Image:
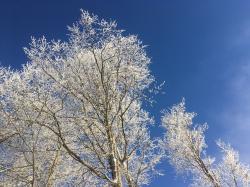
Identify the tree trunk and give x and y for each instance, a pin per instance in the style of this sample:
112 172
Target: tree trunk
115 171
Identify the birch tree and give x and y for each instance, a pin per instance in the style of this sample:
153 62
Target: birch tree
75 111
74 116
185 143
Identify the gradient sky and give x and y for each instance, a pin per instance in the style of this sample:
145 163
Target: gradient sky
200 48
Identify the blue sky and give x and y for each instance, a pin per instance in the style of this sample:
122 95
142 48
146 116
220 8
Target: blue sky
200 48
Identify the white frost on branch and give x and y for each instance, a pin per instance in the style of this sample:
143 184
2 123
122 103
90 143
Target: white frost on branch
185 144
74 116
75 111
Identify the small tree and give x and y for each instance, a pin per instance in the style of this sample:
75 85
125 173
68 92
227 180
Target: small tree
186 145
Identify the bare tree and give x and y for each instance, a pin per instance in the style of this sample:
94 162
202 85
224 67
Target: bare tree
186 145
73 116
77 107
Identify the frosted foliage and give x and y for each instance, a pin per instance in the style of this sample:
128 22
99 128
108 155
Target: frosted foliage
230 170
73 116
185 144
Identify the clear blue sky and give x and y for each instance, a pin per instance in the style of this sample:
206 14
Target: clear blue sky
200 48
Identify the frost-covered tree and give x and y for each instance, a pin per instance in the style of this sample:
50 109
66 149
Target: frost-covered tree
185 143
73 115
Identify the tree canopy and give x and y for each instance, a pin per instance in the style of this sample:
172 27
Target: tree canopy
74 116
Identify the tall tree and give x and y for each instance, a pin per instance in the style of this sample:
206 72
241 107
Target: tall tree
73 116
186 145
81 101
